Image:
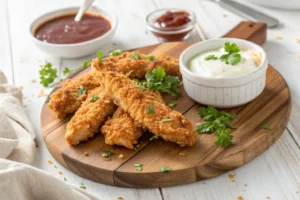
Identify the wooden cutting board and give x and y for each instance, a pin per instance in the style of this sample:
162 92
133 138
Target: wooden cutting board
203 160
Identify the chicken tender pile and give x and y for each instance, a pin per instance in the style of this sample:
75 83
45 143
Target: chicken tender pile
107 100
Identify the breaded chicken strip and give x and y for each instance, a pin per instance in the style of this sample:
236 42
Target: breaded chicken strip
90 116
156 116
67 99
121 129
137 64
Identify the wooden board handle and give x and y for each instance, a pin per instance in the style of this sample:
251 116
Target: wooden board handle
253 31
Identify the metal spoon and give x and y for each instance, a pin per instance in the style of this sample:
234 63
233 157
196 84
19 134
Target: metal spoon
247 12
84 6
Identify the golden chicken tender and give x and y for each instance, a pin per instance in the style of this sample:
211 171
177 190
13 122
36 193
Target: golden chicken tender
90 116
157 117
136 65
121 129
68 99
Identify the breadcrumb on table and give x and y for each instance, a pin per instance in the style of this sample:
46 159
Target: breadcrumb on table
50 162
86 153
239 198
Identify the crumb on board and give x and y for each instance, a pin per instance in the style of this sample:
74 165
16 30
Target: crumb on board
121 156
239 198
33 81
50 162
86 153
278 37
181 154
120 198
42 93
231 176
60 173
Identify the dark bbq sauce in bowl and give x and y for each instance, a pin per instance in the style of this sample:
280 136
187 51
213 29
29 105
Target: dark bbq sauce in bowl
172 19
64 30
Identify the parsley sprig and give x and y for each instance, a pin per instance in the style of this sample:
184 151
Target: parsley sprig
158 80
108 153
165 169
138 167
116 52
219 122
47 74
232 57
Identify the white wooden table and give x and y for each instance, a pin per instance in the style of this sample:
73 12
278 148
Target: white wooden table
274 174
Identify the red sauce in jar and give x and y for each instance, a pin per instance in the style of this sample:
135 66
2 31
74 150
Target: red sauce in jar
173 19
64 30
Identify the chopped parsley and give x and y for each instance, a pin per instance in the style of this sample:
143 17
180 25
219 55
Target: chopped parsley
116 52
47 74
99 56
151 58
172 104
219 122
154 137
136 147
157 80
135 56
94 98
81 90
211 57
82 186
232 57
66 71
150 109
165 169
65 179
108 153
166 120
141 89
266 126
138 167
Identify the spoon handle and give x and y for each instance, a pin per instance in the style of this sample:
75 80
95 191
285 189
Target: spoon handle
84 6
249 13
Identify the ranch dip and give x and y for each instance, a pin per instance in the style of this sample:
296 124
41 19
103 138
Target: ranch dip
215 68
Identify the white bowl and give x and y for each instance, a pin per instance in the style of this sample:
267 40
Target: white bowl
78 49
287 4
223 92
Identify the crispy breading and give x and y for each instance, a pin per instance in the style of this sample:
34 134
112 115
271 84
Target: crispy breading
67 100
137 68
139 106
90 116
121 129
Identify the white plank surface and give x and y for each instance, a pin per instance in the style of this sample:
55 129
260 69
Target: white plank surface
275 173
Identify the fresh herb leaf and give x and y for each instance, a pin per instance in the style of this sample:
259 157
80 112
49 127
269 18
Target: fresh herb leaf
266 126
165 169
211 57
82 186
116 52
135 56
99 55
85 64
166 120
172 104
65 179
81 90
154 137
219 122
150 109
141 89
47 74
224 137
157 80
94 98
67 71
232 57
108 153
151 58
138 167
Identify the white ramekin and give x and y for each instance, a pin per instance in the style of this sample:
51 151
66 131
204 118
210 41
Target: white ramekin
78 49
223 92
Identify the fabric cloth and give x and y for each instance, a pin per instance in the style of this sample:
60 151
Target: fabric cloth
19 181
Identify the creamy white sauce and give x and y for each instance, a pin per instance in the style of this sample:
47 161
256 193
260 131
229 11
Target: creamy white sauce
218 69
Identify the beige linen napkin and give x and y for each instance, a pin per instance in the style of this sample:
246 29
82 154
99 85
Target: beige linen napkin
20 181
